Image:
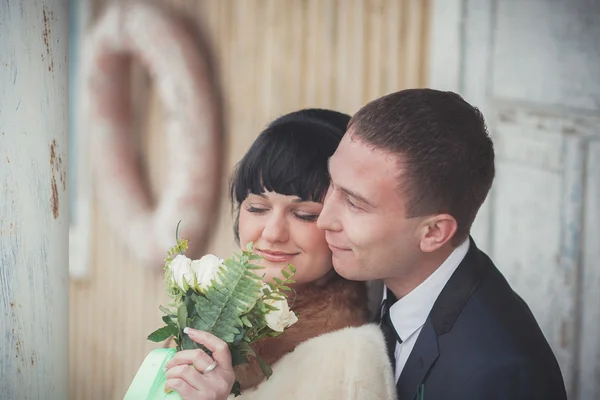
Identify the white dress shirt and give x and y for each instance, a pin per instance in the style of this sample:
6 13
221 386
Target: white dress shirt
409 314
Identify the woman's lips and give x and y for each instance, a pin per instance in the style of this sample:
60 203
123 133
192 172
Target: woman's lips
275 256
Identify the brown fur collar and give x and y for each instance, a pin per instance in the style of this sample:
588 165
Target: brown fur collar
321 308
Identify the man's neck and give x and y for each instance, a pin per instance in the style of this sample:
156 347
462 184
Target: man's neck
406 283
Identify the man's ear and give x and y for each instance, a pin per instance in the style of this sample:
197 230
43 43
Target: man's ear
436 231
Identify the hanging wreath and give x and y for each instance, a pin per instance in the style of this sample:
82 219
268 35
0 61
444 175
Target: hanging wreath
174 53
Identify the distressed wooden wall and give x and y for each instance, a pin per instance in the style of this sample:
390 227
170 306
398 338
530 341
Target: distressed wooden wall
33 199
274 56
534 69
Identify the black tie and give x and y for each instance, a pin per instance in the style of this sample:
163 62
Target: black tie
389 332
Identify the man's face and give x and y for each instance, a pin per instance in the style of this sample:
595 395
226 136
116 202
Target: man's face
363 214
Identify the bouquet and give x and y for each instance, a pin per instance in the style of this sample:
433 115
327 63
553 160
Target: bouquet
227 298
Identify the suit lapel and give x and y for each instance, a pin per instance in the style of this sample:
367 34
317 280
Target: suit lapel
458 290
419 362
447 307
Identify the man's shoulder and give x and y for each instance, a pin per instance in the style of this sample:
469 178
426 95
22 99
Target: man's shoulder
494 339
495 323
496 307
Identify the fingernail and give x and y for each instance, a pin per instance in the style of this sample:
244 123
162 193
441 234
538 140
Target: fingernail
186 330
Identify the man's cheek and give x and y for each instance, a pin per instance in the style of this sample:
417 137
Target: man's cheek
353 236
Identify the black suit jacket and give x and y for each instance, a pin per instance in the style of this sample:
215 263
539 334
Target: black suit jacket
480 341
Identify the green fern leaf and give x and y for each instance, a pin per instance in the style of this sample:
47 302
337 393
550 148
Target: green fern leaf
278 281
220 310
163 333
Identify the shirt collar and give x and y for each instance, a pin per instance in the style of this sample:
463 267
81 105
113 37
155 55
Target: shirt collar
410 312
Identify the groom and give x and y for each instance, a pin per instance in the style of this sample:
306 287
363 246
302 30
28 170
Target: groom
407 181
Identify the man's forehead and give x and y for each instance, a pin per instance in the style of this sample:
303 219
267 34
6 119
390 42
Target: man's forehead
353 150
360 168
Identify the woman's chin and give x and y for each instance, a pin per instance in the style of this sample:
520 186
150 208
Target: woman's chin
270 272
269 277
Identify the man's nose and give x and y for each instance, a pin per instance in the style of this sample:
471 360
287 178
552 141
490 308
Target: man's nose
328 220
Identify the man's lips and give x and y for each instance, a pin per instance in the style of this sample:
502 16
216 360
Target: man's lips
337 248
333 246
275 256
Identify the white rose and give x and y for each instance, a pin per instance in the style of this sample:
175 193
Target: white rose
281 318
181 271
206 270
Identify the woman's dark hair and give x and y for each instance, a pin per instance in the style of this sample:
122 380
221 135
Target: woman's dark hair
289 157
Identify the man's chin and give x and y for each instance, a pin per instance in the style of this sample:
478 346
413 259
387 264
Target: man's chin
347 273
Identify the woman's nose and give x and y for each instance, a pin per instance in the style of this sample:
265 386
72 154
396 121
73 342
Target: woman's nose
276 229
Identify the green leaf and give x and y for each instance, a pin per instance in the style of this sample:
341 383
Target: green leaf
236 389
238 356
279 281
240 336
182 315
283 287
165 310
246 321
254 276
285 273
163 333
266 368
220 310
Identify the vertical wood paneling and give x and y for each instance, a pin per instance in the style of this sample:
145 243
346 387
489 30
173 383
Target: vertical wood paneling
273 56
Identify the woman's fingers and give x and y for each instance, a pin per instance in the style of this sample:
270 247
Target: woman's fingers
198 358
187 392
220 349
187 373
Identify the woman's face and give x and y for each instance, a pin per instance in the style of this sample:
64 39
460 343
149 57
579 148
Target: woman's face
284 231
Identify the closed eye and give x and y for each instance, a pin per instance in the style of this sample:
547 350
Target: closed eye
256 210
307 217
351 204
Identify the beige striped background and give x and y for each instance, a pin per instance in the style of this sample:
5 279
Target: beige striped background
274 56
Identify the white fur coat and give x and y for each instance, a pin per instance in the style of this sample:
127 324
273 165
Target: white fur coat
348 364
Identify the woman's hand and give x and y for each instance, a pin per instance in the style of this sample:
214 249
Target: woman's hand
187 371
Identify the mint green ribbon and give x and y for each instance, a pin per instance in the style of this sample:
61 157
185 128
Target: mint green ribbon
149 381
